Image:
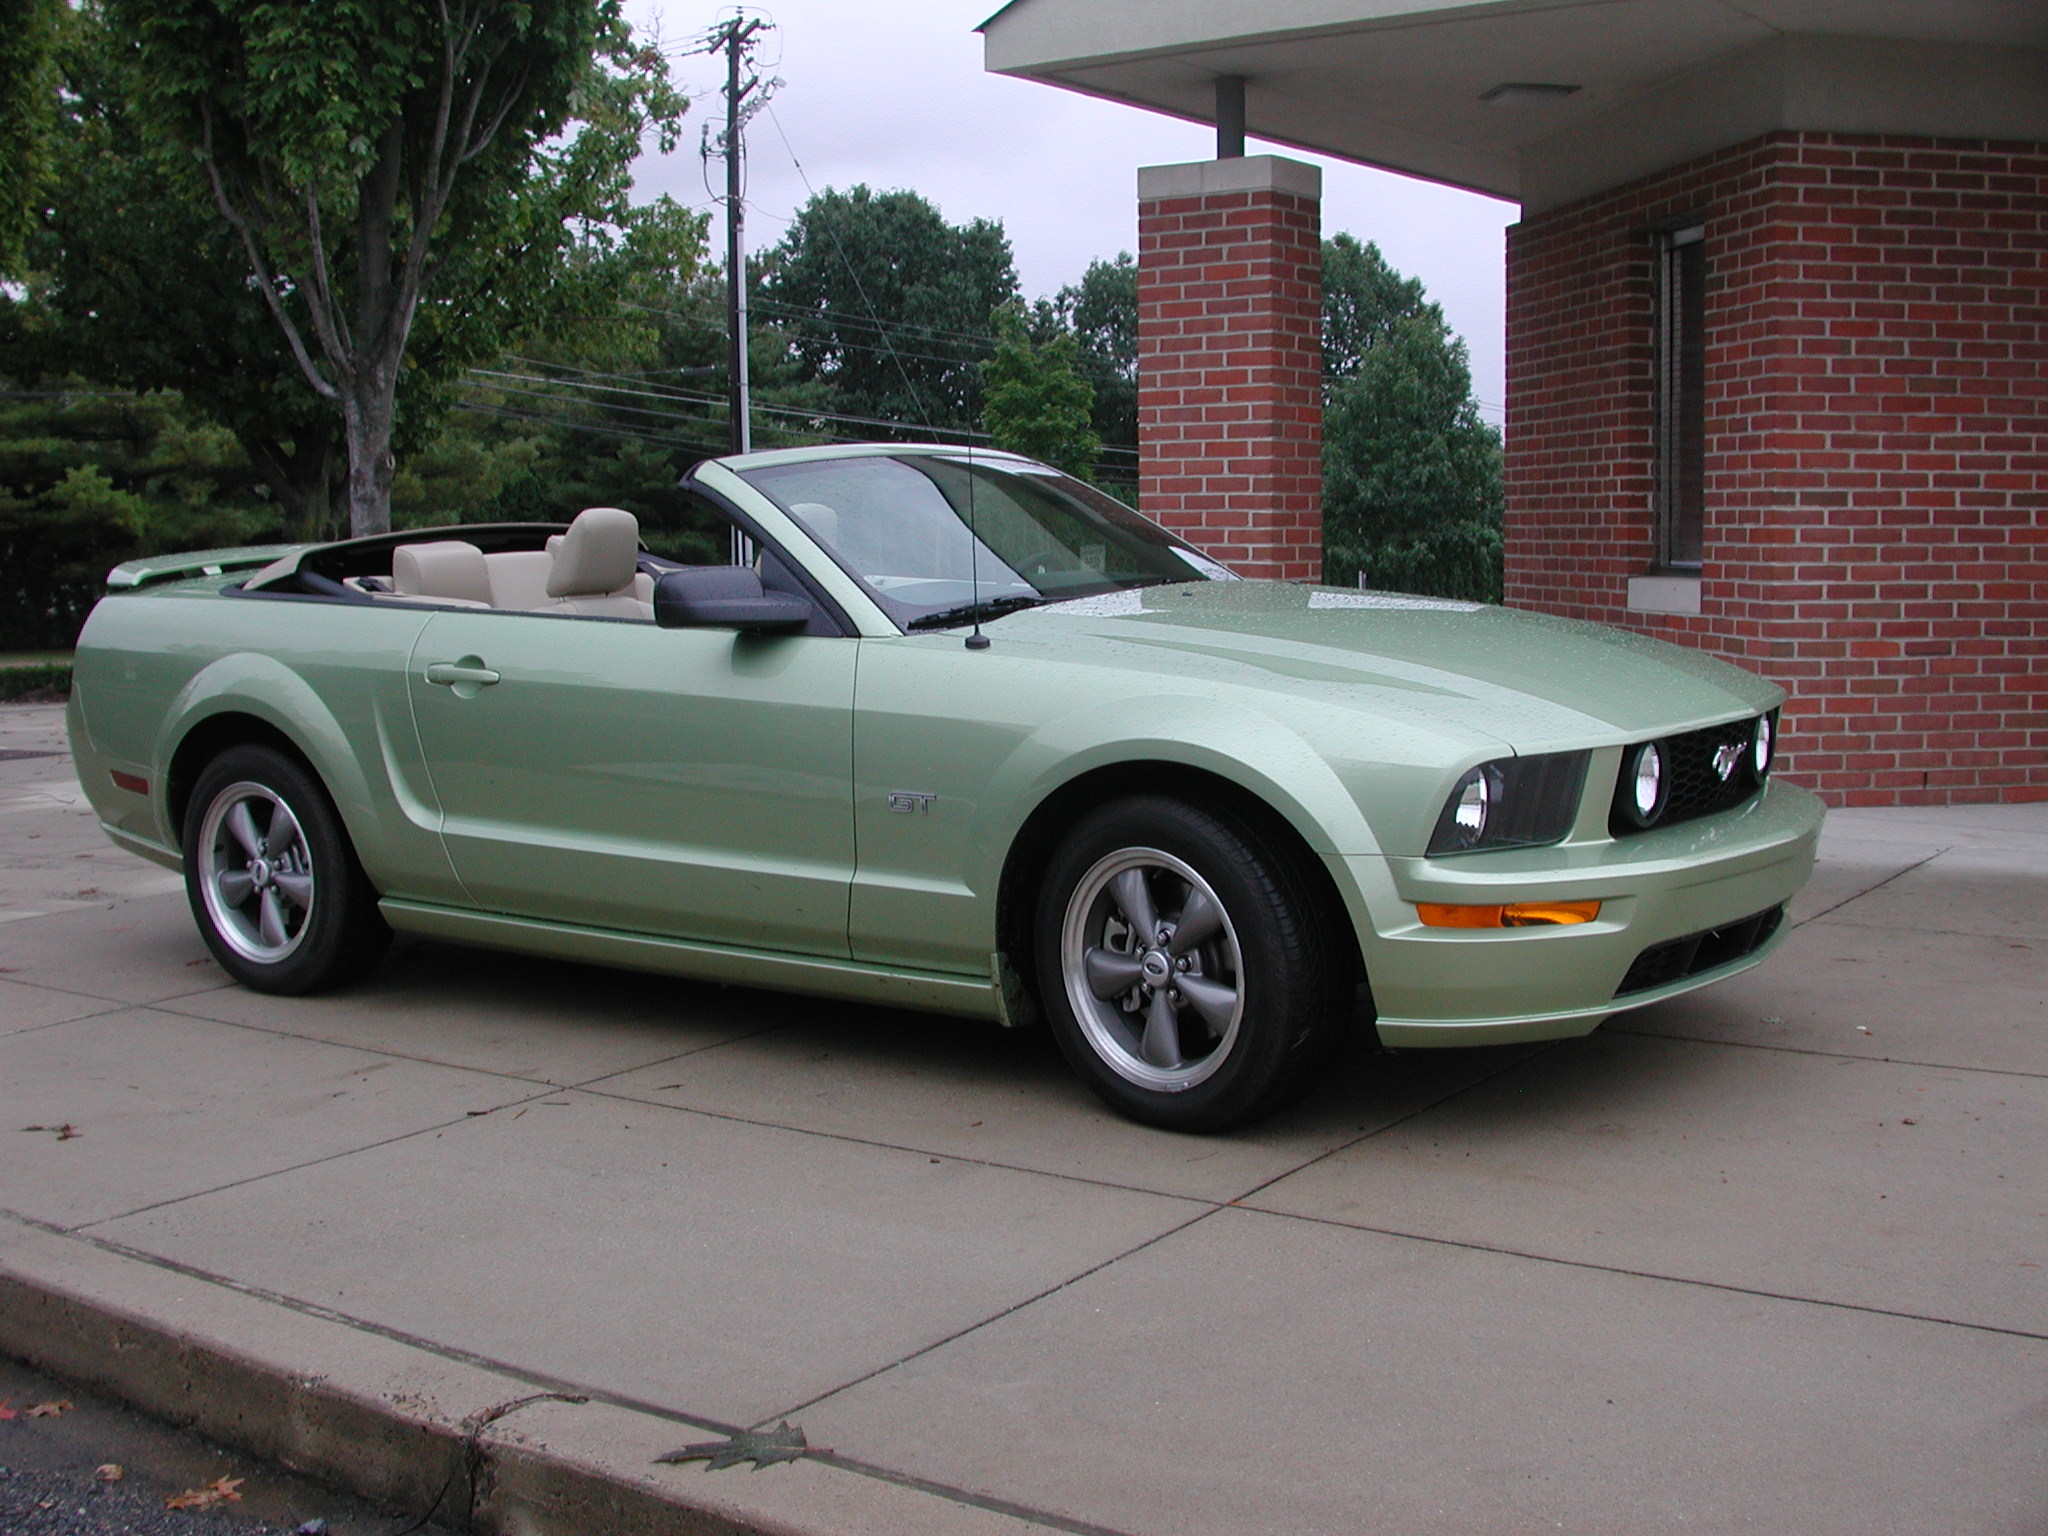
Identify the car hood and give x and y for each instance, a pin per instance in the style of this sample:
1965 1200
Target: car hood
1531 680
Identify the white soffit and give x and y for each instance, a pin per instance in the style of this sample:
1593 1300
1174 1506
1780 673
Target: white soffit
1397 83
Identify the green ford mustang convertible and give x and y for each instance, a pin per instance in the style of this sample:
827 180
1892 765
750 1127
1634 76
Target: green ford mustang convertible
949 731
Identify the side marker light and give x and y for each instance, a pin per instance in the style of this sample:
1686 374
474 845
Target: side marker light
1515 914
134 784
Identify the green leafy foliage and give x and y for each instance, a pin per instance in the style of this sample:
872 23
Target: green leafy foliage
1364 298
882 299
41 683
136 283
29 30
1411 474
389 167
91 478
1037 404
1102 312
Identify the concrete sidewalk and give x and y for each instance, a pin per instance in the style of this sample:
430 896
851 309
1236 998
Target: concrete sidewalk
1767 1258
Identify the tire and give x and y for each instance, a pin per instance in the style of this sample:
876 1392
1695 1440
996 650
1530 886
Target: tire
300 918
1191 1032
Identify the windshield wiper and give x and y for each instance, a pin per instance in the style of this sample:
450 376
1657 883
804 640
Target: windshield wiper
967 613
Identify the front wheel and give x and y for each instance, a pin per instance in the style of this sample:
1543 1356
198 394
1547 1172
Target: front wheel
274 883
1187 974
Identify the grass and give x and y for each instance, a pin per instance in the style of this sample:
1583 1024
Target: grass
34 682
34 659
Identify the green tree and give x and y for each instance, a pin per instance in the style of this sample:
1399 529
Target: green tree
1411 475
390 169
1102 311
90 477
136 283
1364 299
889 304
28 104
1037 403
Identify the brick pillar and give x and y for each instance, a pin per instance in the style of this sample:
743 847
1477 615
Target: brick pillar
1876 455
1230 360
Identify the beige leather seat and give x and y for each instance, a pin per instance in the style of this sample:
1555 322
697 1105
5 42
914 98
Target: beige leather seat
449 571
519 579
594 571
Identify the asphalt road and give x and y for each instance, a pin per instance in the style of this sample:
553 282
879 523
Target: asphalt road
49 1485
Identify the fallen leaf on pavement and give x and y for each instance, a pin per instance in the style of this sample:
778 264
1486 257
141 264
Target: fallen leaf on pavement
65 1132
5 1411
109 1472
51 1409
762 1447
222 1490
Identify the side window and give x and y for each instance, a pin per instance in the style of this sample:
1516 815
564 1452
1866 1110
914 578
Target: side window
1681 397
689 530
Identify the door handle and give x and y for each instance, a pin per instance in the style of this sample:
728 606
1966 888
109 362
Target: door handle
468 670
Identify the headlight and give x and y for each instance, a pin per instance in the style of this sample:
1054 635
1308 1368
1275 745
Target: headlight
1512 802
1763 745
1642 770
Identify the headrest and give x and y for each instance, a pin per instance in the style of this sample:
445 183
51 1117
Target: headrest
443 568
597 555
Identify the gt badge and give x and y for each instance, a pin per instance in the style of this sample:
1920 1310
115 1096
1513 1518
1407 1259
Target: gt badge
915 803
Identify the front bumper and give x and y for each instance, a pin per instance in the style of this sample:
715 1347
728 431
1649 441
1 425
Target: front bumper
1478 986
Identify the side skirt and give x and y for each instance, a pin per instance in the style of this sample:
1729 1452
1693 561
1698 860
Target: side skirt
844 979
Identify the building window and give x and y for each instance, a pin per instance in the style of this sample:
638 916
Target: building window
1681 396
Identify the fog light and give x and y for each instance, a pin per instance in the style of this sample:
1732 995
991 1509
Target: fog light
1514 914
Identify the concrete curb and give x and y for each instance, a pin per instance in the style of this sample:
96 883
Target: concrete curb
416 1427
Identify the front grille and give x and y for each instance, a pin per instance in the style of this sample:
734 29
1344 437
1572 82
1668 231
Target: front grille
1696 789
1698 953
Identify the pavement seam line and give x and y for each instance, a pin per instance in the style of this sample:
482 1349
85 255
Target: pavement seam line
431 1061
549 1386
1157 1237
994 1317
1878 886
84 1227
1652 1275
849 1139
1809 1050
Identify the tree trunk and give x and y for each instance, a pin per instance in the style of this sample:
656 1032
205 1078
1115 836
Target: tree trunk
302 478
368 411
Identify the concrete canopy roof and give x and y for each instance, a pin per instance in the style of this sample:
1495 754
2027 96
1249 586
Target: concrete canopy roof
1399 83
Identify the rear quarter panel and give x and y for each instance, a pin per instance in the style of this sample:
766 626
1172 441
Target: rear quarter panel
154 666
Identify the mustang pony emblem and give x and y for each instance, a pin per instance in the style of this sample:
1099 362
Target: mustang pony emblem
1726 756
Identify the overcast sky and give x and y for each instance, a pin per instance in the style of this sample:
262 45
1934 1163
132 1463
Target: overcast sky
892 93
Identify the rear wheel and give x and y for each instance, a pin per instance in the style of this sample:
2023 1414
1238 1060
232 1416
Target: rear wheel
1188 977
273 880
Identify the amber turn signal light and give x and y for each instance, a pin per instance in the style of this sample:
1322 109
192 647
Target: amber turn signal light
1514 914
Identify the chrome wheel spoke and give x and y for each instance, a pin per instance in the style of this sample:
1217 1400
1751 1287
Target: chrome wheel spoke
1111 974
242 826
234 886
297 889
1216 1003
271 925
1134 900
1200 920
1161 1045
283 835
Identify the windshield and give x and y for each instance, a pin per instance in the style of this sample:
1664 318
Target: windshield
900 524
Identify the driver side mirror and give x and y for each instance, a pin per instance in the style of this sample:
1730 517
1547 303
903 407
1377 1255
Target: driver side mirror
726 597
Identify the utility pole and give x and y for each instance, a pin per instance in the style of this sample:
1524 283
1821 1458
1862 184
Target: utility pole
736 39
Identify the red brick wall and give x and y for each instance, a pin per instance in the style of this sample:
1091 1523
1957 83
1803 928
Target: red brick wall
1877 444
1230 425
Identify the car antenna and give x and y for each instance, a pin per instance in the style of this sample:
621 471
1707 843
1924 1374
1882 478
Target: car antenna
976 641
